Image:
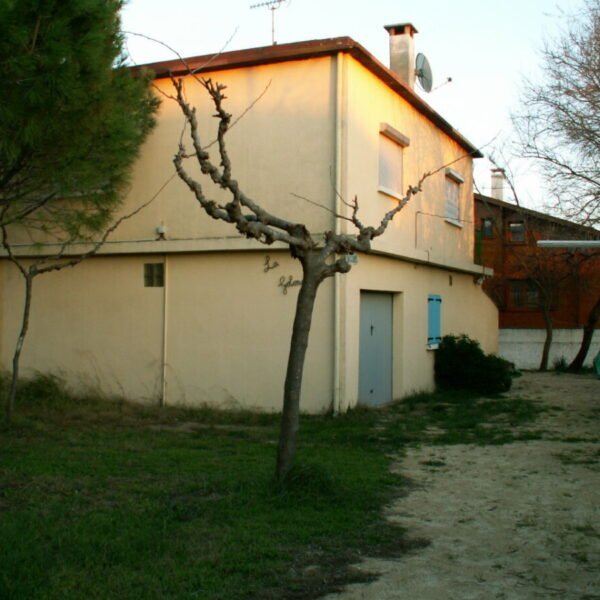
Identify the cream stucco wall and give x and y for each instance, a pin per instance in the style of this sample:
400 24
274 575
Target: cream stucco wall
229 326
218 332
227 330
421 229
283 145
465 309
227 322
432 256
305 126
94 324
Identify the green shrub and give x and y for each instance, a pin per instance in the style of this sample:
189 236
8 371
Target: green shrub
561 365
42 390
460 363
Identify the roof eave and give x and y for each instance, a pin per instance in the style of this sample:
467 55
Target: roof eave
302 51
536 214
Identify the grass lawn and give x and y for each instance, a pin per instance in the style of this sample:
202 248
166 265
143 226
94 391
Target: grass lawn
104 499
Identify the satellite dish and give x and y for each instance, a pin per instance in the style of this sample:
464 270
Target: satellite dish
423 72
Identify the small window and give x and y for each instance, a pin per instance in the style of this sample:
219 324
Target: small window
453 182
391 145
154 275
487 228
524 294
434 320
516 231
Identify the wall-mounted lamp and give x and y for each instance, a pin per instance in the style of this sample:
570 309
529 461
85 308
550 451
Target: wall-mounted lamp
161 230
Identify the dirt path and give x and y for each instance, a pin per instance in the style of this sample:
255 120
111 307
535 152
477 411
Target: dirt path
518 522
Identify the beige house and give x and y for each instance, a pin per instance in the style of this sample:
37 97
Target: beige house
179 309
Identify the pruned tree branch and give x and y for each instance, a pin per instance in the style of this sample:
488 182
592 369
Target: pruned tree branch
251 219
321 255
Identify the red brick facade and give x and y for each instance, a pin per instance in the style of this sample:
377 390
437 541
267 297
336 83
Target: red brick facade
528 279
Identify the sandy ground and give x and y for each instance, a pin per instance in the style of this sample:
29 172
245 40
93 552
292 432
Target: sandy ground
518 522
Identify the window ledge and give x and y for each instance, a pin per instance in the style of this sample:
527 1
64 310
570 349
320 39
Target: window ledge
390 193
433 346
454 223
393 134
455 176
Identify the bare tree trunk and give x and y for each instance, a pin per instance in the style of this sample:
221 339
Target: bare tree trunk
293 380
12 393
548 340
588 334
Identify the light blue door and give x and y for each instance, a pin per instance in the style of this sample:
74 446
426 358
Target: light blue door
375 358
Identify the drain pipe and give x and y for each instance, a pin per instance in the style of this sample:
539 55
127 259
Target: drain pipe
163 395
338 350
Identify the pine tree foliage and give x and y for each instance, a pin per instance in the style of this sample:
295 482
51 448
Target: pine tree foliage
72 116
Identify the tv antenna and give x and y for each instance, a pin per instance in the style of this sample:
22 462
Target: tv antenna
423 72
272 5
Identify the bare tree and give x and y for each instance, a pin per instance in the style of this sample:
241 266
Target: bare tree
321 256
559 124
30 269
545 275
588 334
551 273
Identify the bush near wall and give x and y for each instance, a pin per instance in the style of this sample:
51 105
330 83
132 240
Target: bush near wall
460 363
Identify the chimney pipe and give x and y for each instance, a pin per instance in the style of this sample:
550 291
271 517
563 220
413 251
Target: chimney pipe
402 51
498 183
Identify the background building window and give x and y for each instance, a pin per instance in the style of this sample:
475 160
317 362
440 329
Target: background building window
516 231
524 294
487 228
391 146
154 275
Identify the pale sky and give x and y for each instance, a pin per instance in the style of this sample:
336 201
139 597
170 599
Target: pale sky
485 47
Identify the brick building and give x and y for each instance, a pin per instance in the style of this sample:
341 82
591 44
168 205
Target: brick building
536 288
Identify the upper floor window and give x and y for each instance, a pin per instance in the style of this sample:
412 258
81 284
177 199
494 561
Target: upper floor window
516 231
391 145
487 228
453 182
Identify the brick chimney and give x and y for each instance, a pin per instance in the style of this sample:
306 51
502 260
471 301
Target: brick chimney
402 51
498 183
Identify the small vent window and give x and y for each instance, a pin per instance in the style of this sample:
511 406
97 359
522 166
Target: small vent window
154 275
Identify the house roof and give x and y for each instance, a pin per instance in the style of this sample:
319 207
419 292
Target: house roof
306 50
583 229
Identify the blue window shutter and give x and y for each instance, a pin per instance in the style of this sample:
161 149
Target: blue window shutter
434 319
